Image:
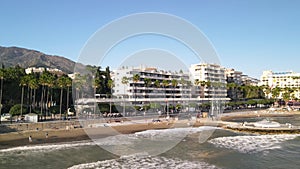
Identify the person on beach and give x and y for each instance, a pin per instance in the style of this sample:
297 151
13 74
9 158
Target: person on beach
30 139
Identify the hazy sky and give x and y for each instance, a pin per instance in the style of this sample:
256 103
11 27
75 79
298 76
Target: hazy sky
248 35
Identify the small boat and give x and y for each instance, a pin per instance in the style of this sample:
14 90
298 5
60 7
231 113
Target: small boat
267 124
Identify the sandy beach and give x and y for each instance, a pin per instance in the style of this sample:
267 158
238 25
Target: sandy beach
20 138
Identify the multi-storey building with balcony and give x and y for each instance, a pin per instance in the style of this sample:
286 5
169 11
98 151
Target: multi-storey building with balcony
151 84
282 80
233 76
210 79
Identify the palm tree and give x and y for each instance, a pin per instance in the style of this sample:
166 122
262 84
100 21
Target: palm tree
232 90
136 78
287 92
165 83
1 90
43 83
23 82
157 83
111 85
275 92
147 83
68 83
61 83
124 81
202 85
33 85
79 81
174 83
50 84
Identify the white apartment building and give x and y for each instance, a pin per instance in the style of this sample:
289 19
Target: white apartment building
233 76
247 80
281 79
155 90
212 74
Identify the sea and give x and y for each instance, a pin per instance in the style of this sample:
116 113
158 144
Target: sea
201 147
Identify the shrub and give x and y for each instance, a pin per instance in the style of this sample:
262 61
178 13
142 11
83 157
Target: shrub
16 110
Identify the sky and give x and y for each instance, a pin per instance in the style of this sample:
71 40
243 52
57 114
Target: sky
248 35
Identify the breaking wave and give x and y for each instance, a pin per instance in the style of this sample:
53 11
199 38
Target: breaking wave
138 161
252 144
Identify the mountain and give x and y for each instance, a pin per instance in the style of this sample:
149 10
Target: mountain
12 56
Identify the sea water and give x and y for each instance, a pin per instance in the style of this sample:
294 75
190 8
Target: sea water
223 149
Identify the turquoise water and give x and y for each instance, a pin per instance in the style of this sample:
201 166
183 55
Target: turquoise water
223 149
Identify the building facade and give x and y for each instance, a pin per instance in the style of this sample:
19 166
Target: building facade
233 76
151 83
282 80
42 69
210 79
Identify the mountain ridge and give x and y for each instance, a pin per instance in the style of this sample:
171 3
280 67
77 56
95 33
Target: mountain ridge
12 56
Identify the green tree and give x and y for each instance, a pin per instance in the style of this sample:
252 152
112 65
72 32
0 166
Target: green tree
111 85
125 81
43 81
61 83
275 92
68 82
33 85
16 110
136 78
147 83
2 74
165 84
78 82
24 82
174 83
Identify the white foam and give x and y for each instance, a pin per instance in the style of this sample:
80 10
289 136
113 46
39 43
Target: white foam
161 135
138 161
116 140
252 144
170 134
48 147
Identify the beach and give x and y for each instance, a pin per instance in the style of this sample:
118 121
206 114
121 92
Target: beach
100 130
20 138
114 145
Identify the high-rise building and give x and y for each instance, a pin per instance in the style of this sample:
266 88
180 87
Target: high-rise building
210 78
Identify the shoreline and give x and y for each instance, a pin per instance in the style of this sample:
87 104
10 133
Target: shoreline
20 138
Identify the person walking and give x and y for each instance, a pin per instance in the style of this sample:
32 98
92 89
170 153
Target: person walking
30 139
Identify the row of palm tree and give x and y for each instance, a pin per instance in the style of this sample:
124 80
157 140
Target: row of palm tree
47 82
32 85
286 93
44 90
